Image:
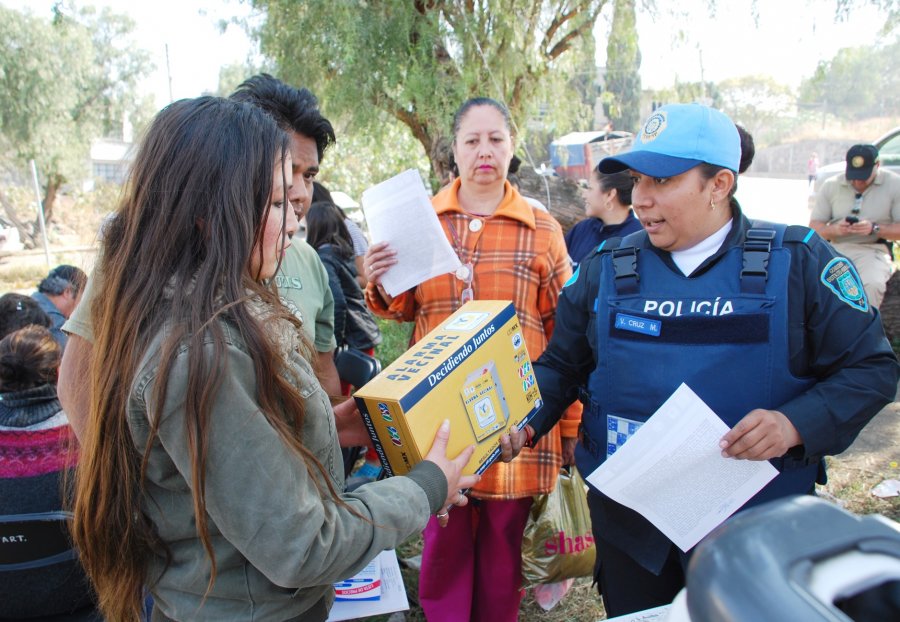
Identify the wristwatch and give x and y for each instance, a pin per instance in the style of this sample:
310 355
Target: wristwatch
875 228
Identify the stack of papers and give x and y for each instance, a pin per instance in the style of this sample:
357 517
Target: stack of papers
399 212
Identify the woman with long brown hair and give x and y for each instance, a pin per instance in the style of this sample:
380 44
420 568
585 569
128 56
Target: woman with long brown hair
210 465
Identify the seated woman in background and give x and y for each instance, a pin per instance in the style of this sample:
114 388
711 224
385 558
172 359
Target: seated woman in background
37 448
354 326
607 203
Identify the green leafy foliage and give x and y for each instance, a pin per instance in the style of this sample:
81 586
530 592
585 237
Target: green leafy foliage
63 82
858 82
415 62
623 79
759 103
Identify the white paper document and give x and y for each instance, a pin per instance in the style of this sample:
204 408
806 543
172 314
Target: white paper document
399 212
671 471
393 594
656 614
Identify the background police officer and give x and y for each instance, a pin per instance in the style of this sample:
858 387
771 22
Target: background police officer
857 211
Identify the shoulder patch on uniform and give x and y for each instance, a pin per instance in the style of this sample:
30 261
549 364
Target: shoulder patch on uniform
842 279
573 278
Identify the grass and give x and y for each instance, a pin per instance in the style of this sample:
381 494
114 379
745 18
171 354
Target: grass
851 487
394 340
21 277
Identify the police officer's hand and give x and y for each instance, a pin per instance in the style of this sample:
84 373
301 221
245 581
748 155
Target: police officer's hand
568 450
760 435
512 443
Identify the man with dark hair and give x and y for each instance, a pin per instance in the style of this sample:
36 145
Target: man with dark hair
302 280
58 295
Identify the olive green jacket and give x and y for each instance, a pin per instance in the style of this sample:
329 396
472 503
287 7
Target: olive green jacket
279 545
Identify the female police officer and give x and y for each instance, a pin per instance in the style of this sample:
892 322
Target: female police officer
764 322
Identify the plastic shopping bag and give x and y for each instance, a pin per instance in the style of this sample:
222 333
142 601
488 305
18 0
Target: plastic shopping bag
558 542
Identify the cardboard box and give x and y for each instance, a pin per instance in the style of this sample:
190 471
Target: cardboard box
473 369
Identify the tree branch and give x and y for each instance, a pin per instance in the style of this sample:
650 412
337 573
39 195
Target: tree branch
557 23
566 42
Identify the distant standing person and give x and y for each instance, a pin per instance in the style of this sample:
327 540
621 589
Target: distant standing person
812 165
59 294
607 203
859 213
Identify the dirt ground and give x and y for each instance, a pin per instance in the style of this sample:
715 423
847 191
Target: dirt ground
878 445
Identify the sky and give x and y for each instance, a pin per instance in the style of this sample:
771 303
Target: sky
787 41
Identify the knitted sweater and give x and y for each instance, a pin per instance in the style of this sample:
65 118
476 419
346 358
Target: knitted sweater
37 447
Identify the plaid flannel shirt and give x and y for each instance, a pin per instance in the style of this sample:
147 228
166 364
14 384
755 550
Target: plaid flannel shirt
518 254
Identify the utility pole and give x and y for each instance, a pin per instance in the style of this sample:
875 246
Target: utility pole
40 206
169 74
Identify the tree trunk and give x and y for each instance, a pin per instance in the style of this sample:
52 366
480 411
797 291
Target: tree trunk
54 181
25 232
53 184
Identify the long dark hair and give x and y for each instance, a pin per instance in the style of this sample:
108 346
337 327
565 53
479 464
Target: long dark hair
325 225
176 260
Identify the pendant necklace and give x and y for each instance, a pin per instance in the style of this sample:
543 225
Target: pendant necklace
466 272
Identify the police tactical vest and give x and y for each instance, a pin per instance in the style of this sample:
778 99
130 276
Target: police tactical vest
724 333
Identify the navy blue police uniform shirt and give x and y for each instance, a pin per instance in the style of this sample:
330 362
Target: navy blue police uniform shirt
836 342
584 238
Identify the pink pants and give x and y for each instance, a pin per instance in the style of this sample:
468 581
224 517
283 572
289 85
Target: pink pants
472 568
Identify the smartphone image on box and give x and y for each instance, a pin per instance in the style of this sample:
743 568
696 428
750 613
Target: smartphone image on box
485 402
